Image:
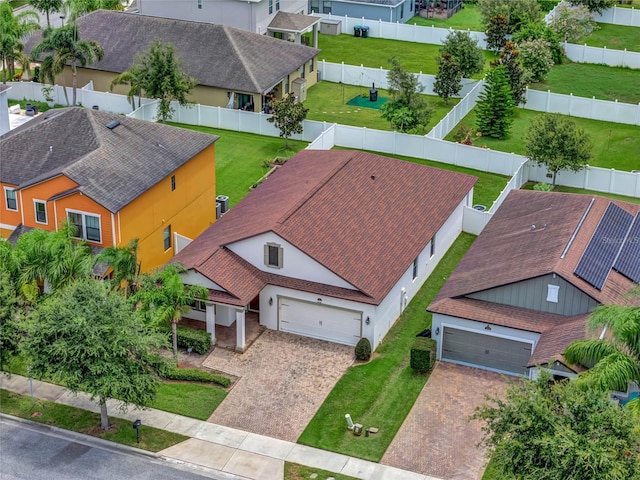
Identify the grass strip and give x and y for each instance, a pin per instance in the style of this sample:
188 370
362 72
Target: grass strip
466 19
193 400
295 471
381 393
83 421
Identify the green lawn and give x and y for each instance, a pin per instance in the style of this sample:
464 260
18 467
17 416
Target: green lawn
617 37
615 145
240 158
325 103
376 52
295 471
588 80
381 392
466 19
193 400
83 421
561 188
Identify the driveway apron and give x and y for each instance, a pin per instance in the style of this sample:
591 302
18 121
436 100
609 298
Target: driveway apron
436 438
284 379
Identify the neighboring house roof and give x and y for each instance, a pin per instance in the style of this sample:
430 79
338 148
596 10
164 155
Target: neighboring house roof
384 3
4 87
292 22
532 234
18 232
112 166
215 55
362 216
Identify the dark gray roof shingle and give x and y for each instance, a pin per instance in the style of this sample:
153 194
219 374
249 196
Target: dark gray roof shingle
111 166
215 55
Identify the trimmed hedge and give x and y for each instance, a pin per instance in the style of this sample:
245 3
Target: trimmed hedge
195 375
363 349
198 340
423 354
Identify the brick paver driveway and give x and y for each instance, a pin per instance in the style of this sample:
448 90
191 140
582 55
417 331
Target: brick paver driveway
436 439
284 380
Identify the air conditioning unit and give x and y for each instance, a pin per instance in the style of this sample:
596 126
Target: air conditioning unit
299 86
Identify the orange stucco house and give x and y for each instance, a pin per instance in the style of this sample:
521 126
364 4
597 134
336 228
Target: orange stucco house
116 178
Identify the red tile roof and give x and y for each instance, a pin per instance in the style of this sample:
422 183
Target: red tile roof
363 216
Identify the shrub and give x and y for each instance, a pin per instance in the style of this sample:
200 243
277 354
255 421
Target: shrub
363 349
543 187
462 133
537 58
423 354
198 340
571 23
195 375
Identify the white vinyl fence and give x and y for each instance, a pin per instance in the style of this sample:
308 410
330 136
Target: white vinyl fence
401 31
604 56
367 76
592 108
620 16
457 113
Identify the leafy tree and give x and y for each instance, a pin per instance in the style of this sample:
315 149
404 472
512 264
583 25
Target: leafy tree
517 12
163 297
288 116
158 72
13 28
518 77
545 430
465 51
497 32
571 23
494 109
134 82
47 7
62 46
539 30
615 359
406 109
594 6
92 341
536 58
124 265
448 82
554 141
77 8
9 314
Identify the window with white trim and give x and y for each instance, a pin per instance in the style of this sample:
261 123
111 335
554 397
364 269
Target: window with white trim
286 85
40 209
167 238
277 5
273 255
311 65
11 199
415 269
552 293
87 226
270 7
173 182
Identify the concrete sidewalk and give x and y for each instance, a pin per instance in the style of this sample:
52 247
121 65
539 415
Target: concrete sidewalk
217 447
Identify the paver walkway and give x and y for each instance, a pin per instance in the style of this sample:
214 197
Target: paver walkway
438 423
284 380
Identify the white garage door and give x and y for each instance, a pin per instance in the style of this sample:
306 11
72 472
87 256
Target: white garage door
320 321
485 350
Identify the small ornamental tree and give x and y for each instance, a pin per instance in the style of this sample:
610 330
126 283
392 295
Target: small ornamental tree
406 108
91 340
288 116
571 23
494 110
518 77
546 430
595 6
538 30
449 77
497 32
517 12
554 141
465 52
536 58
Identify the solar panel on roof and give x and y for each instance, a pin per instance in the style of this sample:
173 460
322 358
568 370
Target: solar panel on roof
602 250
628 261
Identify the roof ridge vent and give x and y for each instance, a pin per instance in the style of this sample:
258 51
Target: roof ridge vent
113 124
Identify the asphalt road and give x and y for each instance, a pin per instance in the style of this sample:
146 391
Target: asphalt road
34 453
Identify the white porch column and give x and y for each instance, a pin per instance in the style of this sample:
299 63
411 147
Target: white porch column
211 322
240 331
315 35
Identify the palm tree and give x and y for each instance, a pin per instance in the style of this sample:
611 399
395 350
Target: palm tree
615 358
62 46
47 7
164 297
132 79
124 264
13 28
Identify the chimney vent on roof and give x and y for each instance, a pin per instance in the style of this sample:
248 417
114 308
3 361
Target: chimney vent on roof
373 177
51 148
533 227
113 124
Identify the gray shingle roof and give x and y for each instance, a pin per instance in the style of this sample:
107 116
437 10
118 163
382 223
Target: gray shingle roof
215 55
111 166
292 21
